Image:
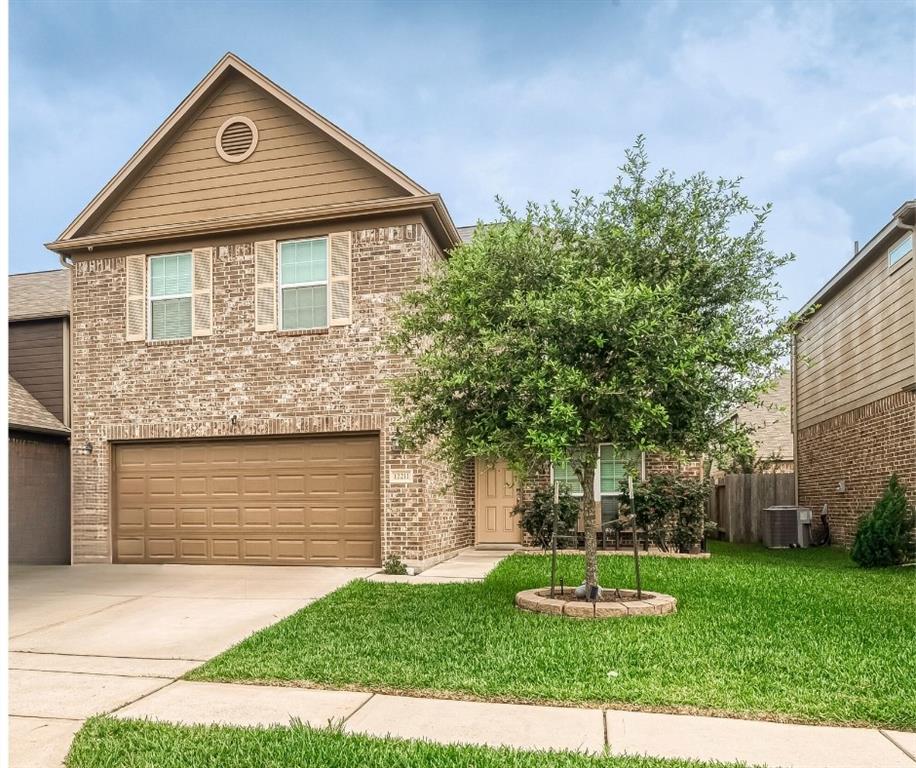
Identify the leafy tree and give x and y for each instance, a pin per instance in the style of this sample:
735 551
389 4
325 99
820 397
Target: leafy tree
640 318
885 535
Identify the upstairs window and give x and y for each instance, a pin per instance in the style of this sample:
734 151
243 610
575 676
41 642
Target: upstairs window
170 296
304 284
900 251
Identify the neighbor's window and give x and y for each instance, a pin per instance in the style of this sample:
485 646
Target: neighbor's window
900 251
170 296
304 284
612 468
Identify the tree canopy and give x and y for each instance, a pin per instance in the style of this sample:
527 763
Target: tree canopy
642 318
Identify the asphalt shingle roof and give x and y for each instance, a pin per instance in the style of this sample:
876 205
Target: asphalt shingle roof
39 294
27 413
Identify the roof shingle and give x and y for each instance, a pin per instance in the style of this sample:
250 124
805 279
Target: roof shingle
27 413
39 294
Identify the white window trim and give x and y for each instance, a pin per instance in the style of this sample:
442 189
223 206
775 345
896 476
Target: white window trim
326 282
597 495
150 299
893 266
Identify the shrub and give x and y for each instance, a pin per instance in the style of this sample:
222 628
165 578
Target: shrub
537 515
671 509
885 535
394 567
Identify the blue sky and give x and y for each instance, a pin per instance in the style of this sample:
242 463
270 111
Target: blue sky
814 104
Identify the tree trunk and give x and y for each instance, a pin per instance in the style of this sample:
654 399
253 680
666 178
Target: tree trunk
586 476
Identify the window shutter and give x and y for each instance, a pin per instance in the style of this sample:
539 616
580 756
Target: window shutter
265 285
135 325
340 283
202 292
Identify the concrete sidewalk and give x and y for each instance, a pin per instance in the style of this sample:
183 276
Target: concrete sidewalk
531 727
469 565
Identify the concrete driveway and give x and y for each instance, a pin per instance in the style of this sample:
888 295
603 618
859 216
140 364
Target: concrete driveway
88 639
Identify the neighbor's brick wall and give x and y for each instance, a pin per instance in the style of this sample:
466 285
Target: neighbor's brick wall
863 448
331 380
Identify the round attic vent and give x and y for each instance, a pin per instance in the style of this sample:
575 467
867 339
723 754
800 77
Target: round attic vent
236 139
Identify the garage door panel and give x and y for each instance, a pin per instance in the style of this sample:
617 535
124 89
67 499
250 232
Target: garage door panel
162 517
193 487
192 517
224 485
257 485
158 486
290 485
359 483
193 549
359 517
290 517
226 549
359 549
257 549
130 549
290 500
291 550
257 517
222 517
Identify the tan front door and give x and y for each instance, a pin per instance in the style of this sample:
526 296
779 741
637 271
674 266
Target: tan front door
296 501
496 497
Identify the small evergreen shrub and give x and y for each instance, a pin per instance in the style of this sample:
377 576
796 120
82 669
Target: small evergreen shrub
394 567
885 535
537 515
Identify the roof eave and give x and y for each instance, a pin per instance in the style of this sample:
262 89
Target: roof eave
63 432
446 233
851 267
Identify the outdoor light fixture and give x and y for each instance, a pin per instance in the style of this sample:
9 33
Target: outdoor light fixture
87 449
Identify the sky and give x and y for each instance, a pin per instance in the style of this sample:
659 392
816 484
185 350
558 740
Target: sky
813 104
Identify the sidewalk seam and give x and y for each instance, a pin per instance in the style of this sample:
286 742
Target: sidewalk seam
607 741
171 681
899 746
76 618
347 718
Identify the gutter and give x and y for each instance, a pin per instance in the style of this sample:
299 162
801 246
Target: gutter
64 432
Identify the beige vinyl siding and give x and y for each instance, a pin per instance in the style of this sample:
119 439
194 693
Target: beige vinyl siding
36 360
294 166
859 346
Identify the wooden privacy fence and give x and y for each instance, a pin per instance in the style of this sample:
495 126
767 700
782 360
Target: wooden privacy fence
736 504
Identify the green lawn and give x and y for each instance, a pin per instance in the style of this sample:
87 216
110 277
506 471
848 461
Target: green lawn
801 635
110 743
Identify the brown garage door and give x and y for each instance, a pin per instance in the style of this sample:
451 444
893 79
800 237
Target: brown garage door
292 501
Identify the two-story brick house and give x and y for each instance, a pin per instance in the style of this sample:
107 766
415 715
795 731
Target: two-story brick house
854 380
231 289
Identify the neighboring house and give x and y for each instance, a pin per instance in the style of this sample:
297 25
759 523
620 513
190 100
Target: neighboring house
231 287
771 425
39 414
854 388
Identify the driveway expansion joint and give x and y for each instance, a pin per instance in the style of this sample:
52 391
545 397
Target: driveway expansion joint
897 744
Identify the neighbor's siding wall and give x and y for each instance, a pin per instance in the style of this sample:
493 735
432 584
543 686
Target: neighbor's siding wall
293 166
36 360
862 448
330 380
39 500
859 346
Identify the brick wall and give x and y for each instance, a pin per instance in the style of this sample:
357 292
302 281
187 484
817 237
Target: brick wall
239 382
861 448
